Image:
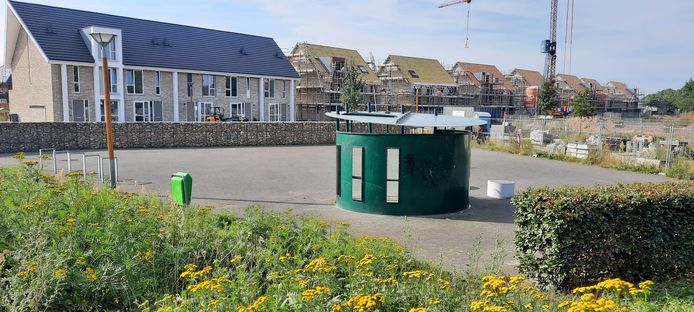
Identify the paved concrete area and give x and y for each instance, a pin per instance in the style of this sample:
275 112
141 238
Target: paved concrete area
302 178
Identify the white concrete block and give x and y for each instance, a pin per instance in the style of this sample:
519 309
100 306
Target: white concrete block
501 189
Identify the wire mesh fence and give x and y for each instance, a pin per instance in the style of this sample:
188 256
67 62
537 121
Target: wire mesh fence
635 141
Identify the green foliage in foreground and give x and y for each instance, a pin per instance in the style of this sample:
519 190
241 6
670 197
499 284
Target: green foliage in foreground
65 246
572 236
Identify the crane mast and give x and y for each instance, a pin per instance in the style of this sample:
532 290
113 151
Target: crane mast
550 45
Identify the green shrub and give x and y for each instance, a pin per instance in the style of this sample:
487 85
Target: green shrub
571 236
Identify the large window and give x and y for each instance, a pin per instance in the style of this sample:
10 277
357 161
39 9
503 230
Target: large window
208 82
357 171
147 111
392 175
157 82
269 88
113 80
275 114
237 111
231 86
114 111
133 82
76 79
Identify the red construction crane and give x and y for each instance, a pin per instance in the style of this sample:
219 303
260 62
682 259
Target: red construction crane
467 24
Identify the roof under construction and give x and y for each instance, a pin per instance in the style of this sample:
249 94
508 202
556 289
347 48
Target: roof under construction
409 119
422 71
350 56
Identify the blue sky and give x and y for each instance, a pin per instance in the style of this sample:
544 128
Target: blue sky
646 44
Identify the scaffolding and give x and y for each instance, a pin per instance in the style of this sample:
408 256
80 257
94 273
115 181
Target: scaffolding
321 70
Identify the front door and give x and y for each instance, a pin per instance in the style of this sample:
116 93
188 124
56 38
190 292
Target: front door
80 110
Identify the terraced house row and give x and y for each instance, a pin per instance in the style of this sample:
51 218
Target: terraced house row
167 72
158 71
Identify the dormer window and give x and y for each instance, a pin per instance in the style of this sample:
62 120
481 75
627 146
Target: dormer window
111 51
413 73
362 69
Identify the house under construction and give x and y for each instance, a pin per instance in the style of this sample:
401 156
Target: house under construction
321 69
419 84
526 87
621 99
486 86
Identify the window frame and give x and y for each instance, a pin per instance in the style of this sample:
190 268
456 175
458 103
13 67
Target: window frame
240 107
146 117
114 110
269 88
76 88
211 90
189 84
231 86
111 51
157 82
248 87
134 83
279 112
390 179
360 177
284 89
113 80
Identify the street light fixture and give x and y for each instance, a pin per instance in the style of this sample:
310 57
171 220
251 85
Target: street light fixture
104 39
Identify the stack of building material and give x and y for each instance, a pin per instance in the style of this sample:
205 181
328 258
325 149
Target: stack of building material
539 137
577 150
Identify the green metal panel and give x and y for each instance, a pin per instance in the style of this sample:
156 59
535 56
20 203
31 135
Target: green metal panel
181 188
434 172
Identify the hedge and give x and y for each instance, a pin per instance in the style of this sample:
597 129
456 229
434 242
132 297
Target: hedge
573 236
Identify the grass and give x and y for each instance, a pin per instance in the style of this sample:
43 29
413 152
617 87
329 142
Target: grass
682 168
68 246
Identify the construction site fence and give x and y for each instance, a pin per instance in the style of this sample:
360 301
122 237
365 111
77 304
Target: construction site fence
640 141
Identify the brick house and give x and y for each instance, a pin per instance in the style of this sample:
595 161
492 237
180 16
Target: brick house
159 71
321 69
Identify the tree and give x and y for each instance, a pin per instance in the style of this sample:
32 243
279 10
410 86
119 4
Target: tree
581 105
352 85
684 99
547 97
663 100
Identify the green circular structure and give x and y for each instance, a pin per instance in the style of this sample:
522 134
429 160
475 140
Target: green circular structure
404 174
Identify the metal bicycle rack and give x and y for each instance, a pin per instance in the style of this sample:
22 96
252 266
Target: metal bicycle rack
100 165
85 157
55 164
115 160
68 157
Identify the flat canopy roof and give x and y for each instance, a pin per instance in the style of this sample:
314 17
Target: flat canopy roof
409 119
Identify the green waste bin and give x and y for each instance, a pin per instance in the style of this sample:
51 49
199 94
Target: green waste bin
181 187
